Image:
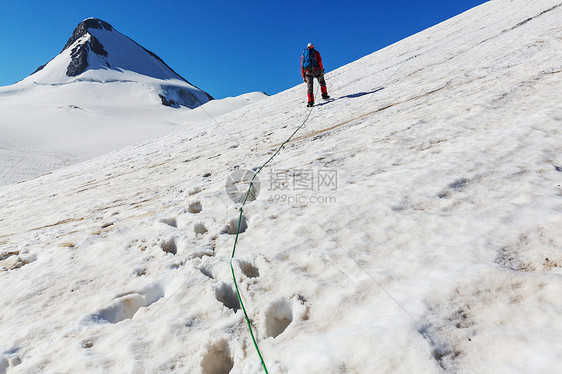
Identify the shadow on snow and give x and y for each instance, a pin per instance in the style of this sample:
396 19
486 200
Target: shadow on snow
352 96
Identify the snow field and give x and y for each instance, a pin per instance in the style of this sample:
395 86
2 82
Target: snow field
46 128
448 196
51 120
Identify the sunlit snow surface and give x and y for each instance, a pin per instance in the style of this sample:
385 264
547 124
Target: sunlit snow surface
44 128
448 153
50 120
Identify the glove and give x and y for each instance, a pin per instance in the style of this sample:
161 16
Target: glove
304 79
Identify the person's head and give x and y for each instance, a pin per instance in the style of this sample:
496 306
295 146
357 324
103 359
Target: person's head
310 45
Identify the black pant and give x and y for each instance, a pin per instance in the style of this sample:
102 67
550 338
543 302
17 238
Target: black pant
310 75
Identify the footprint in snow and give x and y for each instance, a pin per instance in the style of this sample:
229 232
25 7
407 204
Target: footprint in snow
172 221
249 270
278 317
195 207
199 228
127 305
457 185
15 260
231 226
169 246
217 359
194 191
227 296
9 359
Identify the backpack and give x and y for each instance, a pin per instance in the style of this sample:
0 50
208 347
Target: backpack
309 59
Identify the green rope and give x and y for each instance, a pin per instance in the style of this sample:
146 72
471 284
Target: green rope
238 232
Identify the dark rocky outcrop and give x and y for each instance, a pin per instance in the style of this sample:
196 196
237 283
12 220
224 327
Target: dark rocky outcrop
82 29
96 47
167 102
79 56
79 60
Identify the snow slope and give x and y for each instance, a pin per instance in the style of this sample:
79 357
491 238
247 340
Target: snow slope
46 128
52 119
439 250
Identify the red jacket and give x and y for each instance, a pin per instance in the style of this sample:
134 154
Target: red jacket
318 59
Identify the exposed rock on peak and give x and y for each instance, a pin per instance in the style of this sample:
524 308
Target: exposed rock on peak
96 52
82 29
79 56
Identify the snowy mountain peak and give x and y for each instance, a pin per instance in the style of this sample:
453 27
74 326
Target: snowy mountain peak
84 26
87 43
82 30
96 52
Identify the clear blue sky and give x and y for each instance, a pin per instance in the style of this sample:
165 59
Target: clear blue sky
224 47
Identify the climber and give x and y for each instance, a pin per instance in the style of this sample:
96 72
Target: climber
311 67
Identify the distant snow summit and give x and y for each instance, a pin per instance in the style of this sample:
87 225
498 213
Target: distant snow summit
97 52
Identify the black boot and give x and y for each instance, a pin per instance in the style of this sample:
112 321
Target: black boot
325 96
310 104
